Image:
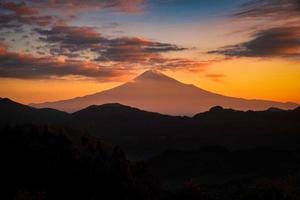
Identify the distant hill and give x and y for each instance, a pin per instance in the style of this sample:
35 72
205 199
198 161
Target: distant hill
148 133
111 111
132 128
14 113
156 92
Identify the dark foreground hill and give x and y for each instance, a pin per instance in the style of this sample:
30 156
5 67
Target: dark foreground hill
216 164
41 162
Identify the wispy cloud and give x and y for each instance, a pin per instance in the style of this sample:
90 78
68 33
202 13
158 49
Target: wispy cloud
270 8
274 42
17 14
66 39
215 77
280 35
31 12
134 50
74 6
19 8
16 65
162 63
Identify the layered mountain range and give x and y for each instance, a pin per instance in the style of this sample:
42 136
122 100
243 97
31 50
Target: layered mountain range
142 133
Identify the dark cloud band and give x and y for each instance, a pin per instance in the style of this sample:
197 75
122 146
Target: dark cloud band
274 42
280 37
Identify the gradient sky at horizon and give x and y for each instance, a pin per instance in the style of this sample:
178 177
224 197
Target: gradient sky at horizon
53 50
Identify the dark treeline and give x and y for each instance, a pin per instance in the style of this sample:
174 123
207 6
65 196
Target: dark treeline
41 162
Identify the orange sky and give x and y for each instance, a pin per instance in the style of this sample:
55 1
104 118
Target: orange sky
252 79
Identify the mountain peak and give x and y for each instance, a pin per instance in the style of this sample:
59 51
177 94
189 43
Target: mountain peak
153 75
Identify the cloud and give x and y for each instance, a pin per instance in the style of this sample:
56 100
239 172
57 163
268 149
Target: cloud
17 14
269 8
63 40
276 32
215 77
274 42
30 12
133 50
163 63
129 6
68 39
16 65
18 8
77 6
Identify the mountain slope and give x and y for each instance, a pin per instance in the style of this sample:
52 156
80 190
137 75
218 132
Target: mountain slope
13 112
122 124
157 92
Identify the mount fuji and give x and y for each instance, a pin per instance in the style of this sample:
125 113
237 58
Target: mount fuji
156 92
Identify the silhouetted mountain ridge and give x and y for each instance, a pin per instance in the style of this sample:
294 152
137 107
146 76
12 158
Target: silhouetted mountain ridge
297 109
112 110
146 132
156 92
13 112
